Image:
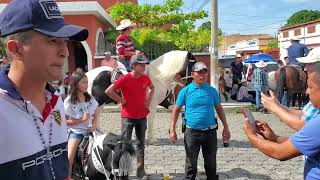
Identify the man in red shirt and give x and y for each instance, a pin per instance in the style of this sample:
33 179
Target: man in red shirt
124 45
134 104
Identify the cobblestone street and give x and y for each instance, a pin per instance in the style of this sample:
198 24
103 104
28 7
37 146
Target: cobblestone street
239 161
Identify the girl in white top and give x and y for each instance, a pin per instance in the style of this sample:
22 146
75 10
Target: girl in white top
80 110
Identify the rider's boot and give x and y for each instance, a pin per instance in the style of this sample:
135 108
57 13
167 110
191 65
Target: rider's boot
141 173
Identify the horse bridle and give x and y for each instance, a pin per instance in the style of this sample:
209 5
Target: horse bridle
184 79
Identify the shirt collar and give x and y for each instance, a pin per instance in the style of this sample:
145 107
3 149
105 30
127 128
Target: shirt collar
7 85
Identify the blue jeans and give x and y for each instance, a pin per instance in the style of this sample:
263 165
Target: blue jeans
248 99
258 95
72 135
284 99
126 63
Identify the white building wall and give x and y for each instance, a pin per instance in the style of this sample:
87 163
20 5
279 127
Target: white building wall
311 40
243 46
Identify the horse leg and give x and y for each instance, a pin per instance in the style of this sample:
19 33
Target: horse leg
151 118
299 97
294 99
290 96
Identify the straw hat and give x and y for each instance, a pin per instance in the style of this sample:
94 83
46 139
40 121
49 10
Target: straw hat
261 64
125 24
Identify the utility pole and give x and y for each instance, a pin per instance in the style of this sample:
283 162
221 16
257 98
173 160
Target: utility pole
214 43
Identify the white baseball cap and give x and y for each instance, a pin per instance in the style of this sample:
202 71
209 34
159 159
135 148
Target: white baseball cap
312 57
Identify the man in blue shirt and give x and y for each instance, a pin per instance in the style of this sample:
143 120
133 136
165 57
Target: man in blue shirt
296 50
305 142
200 101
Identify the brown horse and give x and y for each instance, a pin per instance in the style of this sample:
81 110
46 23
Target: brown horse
290 78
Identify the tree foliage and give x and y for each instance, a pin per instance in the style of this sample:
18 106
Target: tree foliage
303 16
272 44
152 18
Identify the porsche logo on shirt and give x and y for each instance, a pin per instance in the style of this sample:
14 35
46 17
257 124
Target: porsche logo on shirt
57 117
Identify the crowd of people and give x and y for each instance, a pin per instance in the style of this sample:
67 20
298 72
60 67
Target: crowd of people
36 44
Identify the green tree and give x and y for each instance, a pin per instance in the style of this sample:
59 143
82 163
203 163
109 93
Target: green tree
151 18
154 16
272 44
303 16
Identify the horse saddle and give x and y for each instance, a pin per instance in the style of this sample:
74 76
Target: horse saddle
302 74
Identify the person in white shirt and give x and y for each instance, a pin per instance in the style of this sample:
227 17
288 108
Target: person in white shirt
80 110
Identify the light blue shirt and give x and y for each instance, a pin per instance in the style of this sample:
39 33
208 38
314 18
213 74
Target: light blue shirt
199 102
307 141
309 112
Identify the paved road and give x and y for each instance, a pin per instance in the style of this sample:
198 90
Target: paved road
239 161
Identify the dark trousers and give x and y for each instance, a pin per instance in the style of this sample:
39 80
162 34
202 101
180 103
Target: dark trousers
207 140
140 126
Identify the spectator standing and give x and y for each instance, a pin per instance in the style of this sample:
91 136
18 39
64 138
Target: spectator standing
124 44
200 101
237 70
260 81
33 131
134 105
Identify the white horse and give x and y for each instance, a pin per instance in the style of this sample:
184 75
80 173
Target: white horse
162 71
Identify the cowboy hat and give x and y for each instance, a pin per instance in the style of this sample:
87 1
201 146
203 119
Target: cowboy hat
261 64
294 39
125 24
238 55
312 57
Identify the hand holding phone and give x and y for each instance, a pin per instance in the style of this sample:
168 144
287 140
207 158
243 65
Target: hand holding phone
247 114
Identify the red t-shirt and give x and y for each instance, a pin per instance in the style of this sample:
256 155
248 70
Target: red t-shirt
134 91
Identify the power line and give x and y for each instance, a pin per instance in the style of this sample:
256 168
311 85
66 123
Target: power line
243 15
203 5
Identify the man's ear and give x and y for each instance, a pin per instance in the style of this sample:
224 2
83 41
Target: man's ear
15 48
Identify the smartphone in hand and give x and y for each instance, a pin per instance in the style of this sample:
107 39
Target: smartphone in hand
247 114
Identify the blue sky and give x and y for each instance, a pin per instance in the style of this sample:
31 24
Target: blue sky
248 16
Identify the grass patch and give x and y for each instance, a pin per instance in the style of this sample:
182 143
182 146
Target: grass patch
237 110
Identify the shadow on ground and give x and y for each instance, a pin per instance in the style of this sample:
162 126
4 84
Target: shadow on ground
232 144
236 173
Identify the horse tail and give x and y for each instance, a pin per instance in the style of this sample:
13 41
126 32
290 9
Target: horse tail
281 83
